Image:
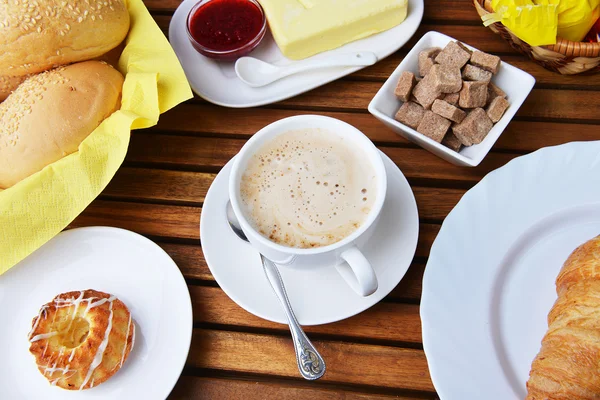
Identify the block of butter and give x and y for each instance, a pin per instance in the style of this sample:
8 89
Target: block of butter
303 28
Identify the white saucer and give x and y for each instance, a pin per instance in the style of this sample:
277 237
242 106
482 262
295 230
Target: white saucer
217 82
490 279
111 260
318 296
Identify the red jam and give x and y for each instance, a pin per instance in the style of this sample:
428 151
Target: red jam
225 25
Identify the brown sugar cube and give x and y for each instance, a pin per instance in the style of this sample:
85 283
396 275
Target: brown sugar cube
405 85
448 111
486 61
473 129
496 90
496 108
425 64
462 46
473 94
431 52
433 126
493 92
473 73
426 59
410 114
425 92
453 55
452 142
451 98
446 78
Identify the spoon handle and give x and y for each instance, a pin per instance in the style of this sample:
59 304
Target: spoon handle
310 362
360 58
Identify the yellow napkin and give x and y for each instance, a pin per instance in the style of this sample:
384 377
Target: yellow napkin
40 206
540 22
535 24
576 18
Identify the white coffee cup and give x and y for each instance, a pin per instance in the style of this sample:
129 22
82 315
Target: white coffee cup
344 255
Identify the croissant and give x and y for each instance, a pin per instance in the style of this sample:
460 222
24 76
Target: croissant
568 364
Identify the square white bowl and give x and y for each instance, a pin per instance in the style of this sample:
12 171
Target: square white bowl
514 82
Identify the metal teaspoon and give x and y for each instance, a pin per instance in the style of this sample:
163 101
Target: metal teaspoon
310 362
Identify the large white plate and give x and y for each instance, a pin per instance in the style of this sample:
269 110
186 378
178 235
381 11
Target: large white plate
111 260
318 296
217 82
489 282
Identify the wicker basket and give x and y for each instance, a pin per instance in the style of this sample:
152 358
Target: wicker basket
565 57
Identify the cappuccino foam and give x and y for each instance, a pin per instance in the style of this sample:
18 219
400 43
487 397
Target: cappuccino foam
308 188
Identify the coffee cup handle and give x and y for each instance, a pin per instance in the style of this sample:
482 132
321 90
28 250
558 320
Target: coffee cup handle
358 272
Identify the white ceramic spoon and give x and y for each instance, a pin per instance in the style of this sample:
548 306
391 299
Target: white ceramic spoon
256 73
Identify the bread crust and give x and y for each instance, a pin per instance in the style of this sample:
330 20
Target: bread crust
39 35
8 84
568 364
50 114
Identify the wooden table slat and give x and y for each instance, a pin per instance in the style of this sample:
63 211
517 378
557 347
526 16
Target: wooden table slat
521 136
397 368
191 387
384 321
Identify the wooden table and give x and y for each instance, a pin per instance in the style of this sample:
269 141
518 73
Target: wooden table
159 191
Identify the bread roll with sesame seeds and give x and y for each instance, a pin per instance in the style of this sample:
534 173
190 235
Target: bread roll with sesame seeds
8 84
38 35
50 114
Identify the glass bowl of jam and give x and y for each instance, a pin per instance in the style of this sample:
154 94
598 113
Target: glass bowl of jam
226 29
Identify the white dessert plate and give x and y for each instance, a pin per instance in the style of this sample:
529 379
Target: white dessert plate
489 281
111 260
318 296
217 82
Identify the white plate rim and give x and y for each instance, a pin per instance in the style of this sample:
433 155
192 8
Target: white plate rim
415 13
570 159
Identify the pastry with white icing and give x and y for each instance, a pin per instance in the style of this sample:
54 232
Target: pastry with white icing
80 339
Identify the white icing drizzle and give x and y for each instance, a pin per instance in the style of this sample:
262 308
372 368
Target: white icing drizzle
72 355
53 383
43 336
76 303
92 384
99 303
126 337
53 369
133 338
45 348
100 352
37 320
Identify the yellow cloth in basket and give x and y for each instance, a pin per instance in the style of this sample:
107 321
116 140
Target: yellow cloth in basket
40 206
540 22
